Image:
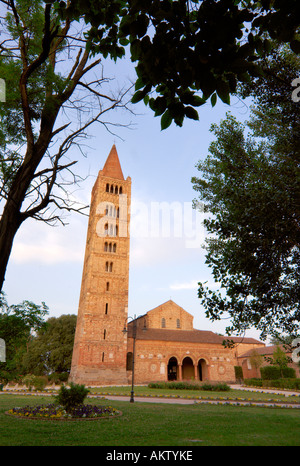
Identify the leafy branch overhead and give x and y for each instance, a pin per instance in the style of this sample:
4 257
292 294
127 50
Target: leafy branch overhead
52 99
188 52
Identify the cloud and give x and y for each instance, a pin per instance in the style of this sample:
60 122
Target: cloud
41 243
192 285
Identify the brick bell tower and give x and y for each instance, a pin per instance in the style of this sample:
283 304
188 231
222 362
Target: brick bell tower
100 347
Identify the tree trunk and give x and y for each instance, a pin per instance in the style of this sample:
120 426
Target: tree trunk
9 225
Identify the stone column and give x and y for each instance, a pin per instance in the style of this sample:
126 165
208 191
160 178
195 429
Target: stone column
179 371
196 371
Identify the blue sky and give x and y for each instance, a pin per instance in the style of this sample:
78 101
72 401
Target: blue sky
46 262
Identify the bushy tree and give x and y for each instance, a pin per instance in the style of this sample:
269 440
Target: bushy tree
51 350
18 325
250 183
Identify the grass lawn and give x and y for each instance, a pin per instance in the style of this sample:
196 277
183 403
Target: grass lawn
153 424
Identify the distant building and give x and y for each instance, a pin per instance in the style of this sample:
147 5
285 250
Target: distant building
167 347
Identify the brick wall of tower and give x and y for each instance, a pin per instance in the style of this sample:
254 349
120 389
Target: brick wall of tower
99 354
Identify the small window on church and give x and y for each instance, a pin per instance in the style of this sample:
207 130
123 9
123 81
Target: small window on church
116 190
107 188
178 323
105 247
106 267
107 286
120 190
106 308
104 334
163 323
102 357
111 267
111 189
114 247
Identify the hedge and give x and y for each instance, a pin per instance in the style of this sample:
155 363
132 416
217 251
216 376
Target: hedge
289 384
219 386
274 372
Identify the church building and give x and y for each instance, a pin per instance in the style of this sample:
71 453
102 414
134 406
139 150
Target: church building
163 341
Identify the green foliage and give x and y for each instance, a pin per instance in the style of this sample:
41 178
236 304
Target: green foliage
28 380
286 383
277 372
51 349
190 386
71 397
40 382
33 381
270 372
18 323
188 50
249 183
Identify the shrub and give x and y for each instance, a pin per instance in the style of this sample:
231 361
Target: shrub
274 372
253 382
40 382
71 397
190 386
289 384
270 372
288 373
28 380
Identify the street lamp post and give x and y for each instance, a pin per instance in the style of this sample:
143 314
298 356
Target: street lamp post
125 330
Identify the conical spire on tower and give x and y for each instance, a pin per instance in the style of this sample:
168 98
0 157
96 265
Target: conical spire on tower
112 167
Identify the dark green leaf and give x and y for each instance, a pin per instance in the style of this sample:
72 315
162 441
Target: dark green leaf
166 120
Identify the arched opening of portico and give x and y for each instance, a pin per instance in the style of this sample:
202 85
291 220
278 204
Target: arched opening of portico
202 370
172 368
188 371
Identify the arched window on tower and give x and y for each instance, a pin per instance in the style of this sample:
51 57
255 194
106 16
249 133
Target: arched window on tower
111 267
107 188
116 190
114 247
105 247
120 190
112 189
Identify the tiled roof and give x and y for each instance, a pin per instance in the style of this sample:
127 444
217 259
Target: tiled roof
265 350
187 336
112 167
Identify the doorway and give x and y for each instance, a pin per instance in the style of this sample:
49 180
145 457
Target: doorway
172 368
188 372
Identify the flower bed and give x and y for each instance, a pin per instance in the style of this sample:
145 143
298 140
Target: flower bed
57 412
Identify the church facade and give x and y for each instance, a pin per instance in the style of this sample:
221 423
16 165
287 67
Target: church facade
162 342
